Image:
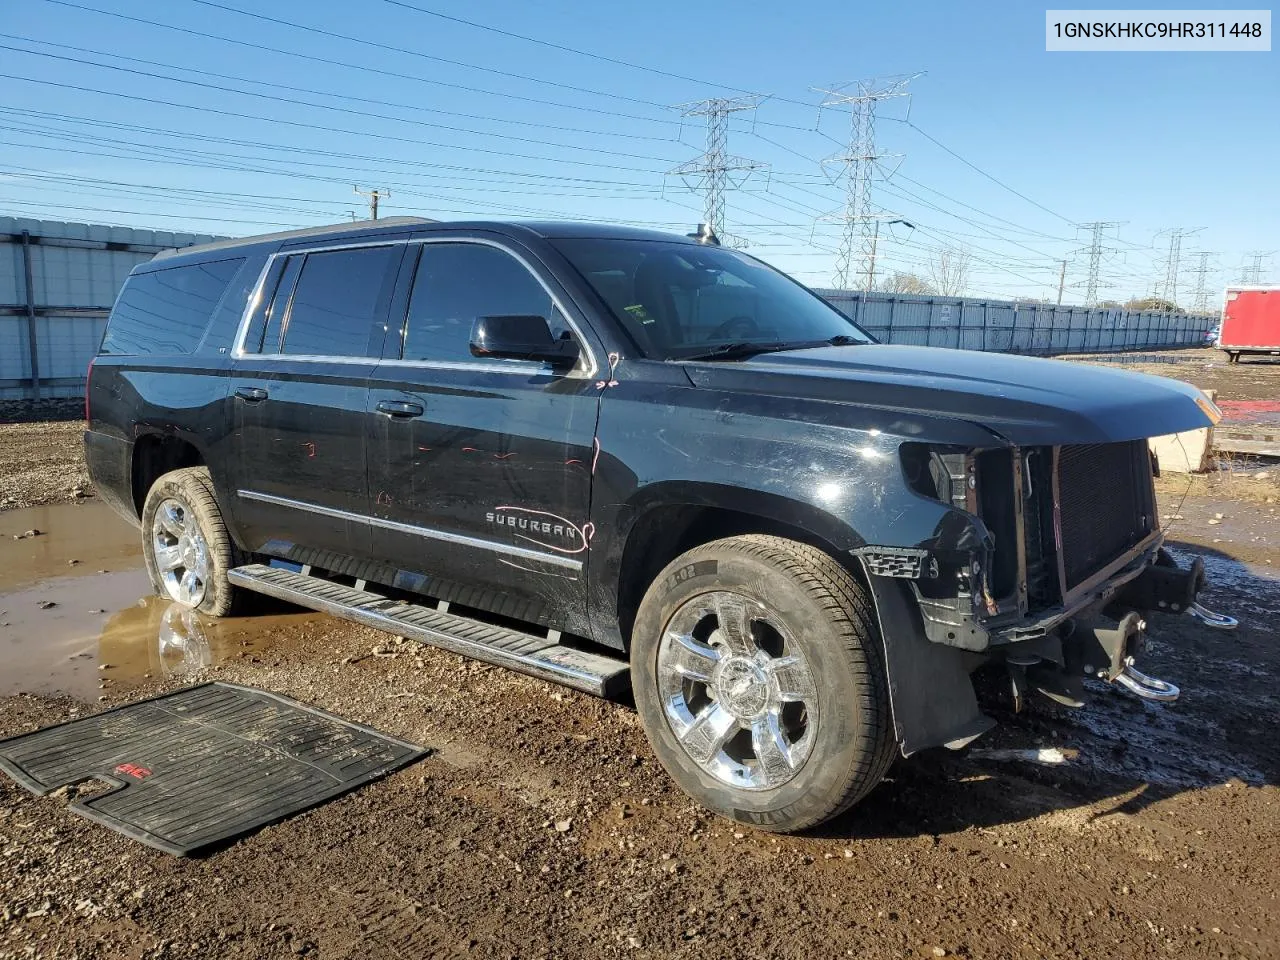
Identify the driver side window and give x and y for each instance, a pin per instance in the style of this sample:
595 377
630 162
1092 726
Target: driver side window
455 284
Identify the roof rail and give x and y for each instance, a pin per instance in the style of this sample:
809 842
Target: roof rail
344 227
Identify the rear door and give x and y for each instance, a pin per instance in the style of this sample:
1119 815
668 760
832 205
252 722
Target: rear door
299 390
480 469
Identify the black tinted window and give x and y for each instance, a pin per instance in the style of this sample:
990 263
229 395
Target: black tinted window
166 311
684 299
336 302
279 303
458 282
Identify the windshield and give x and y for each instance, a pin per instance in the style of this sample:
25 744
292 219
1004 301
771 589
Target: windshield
683 300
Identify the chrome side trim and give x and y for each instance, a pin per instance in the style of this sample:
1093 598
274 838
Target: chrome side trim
592 365
569 563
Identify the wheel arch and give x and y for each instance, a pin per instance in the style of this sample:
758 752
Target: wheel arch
932 697
156 453
669 519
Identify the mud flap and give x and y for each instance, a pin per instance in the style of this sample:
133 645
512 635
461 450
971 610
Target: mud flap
929 687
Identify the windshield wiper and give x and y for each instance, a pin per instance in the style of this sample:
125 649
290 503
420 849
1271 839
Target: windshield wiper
746 348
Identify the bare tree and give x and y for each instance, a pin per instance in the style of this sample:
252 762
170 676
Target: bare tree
949 271
900 282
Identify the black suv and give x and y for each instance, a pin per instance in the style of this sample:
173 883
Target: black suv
611 457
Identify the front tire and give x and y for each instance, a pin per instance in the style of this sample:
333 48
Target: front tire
186 545
757 671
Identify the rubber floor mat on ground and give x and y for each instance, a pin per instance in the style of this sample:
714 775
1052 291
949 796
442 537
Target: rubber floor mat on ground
200 766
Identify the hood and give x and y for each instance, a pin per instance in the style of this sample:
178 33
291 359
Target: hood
1026 400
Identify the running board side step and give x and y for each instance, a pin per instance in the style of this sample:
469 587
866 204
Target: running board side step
524 652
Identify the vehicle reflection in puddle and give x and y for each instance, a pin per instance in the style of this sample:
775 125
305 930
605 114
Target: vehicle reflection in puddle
80 630
84 651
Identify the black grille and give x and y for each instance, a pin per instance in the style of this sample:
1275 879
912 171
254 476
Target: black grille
1042 556
1105 503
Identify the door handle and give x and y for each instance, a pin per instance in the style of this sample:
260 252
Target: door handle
399 408
251 394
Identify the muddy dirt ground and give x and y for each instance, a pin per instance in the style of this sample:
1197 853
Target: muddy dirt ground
1161 838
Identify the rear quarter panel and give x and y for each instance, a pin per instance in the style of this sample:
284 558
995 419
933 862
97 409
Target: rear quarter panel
183 396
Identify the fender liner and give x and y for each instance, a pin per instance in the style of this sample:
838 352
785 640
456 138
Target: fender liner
930 693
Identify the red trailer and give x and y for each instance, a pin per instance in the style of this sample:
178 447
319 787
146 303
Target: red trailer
1250 321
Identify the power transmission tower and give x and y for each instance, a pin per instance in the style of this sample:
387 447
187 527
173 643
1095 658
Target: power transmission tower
1095 252
1201 272
374 196
1251 273
1173 262
859 167
710 173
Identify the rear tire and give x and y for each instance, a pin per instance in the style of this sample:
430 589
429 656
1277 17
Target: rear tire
186 545
758 674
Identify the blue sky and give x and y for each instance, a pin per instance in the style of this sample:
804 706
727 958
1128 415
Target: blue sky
512 128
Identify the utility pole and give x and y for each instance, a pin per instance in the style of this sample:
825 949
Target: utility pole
859 165
1062 280
710 172
1095 251
1201 272
875 242
374 196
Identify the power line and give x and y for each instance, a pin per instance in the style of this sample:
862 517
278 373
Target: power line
711 171
994 179
379 101
316 126
392 48
277 146
380 71
293 101
566 49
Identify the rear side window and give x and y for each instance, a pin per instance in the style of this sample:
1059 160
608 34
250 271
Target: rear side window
457 283
339 302
167 311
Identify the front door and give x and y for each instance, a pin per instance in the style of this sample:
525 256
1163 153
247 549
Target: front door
299 390
480 469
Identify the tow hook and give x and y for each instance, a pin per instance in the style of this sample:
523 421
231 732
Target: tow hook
1219 621
1148 688
1109 648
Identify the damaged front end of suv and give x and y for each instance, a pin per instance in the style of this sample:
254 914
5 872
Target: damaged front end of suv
1047 558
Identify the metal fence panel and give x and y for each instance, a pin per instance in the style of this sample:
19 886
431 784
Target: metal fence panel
76 270
1006 326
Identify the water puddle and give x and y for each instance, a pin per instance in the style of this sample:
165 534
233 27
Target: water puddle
88 627
91 534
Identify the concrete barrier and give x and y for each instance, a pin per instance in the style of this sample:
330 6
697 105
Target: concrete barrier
1188 452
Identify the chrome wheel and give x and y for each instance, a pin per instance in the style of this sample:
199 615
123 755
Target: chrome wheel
181 552
737 691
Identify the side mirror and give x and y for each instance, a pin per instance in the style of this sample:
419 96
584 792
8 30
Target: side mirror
521 337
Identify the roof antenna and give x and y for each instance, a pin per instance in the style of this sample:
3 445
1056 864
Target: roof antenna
704 234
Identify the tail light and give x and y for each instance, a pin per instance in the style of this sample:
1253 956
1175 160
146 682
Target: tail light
88 384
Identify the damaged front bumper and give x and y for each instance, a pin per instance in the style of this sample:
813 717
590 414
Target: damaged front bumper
1099 633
